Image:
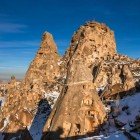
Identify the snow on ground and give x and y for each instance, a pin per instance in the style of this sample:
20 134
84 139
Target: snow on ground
39 120
110 132
2 101
127 116
6 121
60 62
101 88
136 73
115 136
52 97
42 113
1 136
52 94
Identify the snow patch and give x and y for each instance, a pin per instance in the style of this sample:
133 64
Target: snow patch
52 97
101 88
6 121
59 63
54 94
110 131
2 101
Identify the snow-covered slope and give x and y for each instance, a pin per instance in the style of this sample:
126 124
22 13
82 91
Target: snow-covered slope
39 120
43 111
122 120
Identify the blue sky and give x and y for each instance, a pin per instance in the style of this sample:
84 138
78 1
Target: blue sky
22 23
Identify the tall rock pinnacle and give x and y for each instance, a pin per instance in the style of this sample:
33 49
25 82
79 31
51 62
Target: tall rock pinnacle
45 63
90 60
41 75
79 109
90 72
94 40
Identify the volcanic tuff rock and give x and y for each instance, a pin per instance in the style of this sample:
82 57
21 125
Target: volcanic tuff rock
44 69
78 95
91 70
41 79
114 78
93 41
92 63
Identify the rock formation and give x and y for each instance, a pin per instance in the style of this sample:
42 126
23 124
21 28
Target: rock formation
93 66
114 78
44 68
90 71
79 101
22 99
135 69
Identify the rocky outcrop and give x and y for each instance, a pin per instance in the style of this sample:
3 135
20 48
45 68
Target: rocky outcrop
91 70
22 99
13 85
44 70
79 101
114 79
44 67
135 69
93 65
94 42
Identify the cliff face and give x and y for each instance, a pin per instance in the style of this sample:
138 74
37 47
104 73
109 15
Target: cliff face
114 78
44 67
93 41
91 65
22 99
79 101
95 44
91 71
